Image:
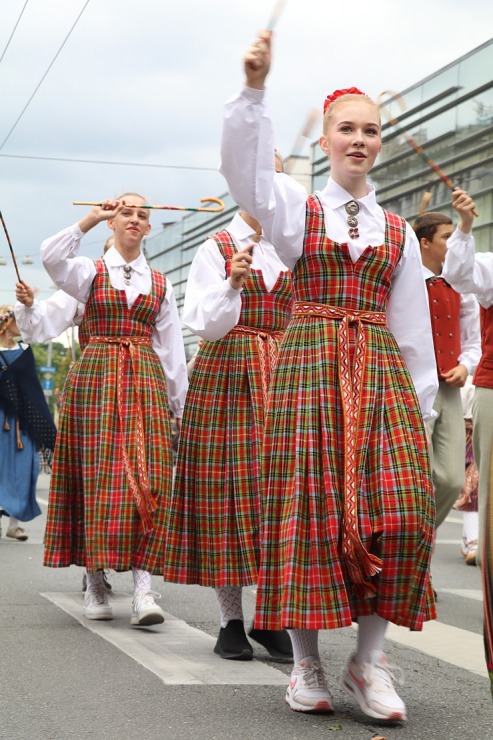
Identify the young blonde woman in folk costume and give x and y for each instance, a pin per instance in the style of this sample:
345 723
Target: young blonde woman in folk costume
26 427
238 299
348 499
112 469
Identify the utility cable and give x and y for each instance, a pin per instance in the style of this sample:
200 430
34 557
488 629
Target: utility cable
43 77
12 34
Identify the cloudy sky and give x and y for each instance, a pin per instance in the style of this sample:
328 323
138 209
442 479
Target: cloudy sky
103 96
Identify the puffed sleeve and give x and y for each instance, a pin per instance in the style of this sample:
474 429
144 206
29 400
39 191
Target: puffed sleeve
408 317
467 271
212 306
167 341
71 273
46 320
247 162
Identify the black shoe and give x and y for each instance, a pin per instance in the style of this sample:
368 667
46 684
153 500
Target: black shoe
276 642
232 642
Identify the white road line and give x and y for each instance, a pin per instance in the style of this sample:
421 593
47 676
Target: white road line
466 593
452 645
453 520
175 652
455 541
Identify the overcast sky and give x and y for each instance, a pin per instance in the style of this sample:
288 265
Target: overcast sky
142 85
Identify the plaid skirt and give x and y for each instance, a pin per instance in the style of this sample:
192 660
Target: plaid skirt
304 580
93 519
213 525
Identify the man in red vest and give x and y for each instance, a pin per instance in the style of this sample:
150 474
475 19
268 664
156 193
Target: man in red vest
455 326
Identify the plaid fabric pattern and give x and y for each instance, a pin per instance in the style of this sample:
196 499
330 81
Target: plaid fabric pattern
213 523
92 516
304 580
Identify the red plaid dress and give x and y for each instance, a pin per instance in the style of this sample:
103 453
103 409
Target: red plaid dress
112 467
348 499
213 525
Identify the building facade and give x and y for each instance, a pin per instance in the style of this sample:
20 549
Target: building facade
448 114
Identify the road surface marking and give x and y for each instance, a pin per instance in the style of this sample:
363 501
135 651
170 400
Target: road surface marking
175 652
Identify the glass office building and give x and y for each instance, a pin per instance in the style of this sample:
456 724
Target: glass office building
449 114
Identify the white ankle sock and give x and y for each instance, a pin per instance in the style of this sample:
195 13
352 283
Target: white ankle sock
305 643
142 581
229 601
371 637
13 522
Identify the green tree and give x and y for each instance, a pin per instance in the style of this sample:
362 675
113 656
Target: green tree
61 360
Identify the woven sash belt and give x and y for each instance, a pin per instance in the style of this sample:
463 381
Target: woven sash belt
267 345
141 491
360 563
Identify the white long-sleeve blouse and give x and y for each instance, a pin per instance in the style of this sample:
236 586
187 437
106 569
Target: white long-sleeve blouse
279 204
75 273
212 306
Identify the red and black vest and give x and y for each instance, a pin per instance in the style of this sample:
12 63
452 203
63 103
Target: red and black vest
483 376
445 323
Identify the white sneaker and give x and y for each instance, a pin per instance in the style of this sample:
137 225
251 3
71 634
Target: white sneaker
371 686
145 611
307 690
96 604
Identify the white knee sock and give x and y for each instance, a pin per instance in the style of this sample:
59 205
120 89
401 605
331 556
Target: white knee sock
229 601
142 581
371 637
95 580
305 643
13 522
470 526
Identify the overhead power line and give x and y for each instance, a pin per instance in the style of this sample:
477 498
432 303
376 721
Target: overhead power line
44 76
109 162
14 30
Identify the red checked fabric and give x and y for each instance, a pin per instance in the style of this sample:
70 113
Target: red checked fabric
213 528
329 466
114 438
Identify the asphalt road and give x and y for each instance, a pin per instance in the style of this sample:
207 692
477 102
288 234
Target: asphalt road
63 677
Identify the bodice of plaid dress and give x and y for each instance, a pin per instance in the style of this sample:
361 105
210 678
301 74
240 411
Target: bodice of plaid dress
325 273
268 311
107 312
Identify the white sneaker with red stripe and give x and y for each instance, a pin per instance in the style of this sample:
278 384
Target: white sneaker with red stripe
307 690
370 684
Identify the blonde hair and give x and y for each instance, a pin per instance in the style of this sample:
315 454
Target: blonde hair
135 195
6 317
349 98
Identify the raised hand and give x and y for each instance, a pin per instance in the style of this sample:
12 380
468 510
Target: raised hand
257 60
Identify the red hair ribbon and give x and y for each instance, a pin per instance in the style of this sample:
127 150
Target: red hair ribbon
338 93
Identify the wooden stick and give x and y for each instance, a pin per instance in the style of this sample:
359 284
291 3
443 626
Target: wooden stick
11 248
414 144
276 14
424 203
162 208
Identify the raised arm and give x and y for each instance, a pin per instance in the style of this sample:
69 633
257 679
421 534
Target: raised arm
247 160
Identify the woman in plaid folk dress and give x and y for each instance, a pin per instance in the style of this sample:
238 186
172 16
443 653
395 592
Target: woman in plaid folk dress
348 499
112 469
239 303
